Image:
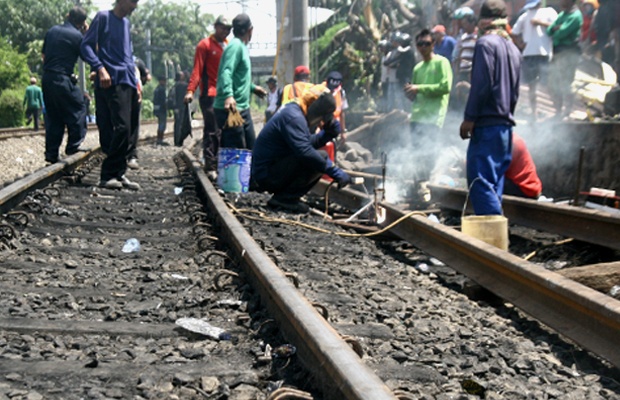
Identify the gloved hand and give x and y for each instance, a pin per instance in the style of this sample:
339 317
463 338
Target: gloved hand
339 176
332 129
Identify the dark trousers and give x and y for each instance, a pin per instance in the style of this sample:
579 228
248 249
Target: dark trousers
178 120
132 147
33 114
290 178
211 133
240 137
118 113
64 103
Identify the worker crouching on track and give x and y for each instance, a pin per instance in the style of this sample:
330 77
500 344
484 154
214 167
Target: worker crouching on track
285 159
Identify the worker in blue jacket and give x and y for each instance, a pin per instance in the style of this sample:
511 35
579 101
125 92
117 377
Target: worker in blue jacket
285 159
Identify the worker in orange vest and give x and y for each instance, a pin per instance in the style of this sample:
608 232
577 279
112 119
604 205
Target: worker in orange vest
334 84
294 90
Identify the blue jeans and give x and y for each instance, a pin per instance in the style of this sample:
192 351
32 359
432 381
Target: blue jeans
488 157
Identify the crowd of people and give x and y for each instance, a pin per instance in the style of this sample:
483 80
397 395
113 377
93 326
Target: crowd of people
474 66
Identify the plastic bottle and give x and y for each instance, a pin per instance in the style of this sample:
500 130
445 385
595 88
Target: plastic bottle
131 245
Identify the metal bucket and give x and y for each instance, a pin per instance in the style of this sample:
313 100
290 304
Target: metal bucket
233 170
492 229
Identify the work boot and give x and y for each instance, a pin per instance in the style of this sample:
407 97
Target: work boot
295 206
160 139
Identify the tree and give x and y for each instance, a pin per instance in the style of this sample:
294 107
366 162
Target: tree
14 76
175 30
24 24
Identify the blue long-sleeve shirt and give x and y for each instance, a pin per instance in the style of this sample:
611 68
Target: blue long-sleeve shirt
495 75
107 43
287 133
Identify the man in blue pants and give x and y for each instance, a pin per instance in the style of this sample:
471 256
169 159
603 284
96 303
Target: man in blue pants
107 49
488 119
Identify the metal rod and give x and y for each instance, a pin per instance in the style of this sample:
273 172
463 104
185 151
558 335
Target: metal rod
579 173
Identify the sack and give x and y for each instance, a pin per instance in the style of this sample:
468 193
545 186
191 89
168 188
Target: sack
186 126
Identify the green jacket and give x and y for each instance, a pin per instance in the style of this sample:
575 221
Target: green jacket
569 23
434 80
33 99
234 77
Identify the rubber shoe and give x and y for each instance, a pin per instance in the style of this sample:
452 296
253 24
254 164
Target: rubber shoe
111 184
133 163
129 184
295 206
71 152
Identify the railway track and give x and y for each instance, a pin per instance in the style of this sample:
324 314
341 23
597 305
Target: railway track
104 320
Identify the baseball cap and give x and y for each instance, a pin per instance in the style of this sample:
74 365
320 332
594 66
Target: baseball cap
438 28
531 4
493 9
272 79
302 70
462 12
222 20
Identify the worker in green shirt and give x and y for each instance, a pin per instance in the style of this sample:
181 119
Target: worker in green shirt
430 92
234 87
33 101
566 52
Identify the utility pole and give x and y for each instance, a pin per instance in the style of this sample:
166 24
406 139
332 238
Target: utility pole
149 56
292 34
300 39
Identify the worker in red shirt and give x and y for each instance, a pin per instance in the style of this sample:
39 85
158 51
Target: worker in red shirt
521 177
206 63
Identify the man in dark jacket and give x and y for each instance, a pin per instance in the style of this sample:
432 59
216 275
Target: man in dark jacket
63 97
285 159
176 103
160 110
490 107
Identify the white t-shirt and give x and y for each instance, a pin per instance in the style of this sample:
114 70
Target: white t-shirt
537 42
272 100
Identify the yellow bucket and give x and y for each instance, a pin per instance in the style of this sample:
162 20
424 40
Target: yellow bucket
492 229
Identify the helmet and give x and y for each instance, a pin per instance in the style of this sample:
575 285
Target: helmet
404 39
463 12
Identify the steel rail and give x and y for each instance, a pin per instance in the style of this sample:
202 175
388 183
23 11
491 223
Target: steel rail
588 317
578 312
22 131
590 226
339 370
15 192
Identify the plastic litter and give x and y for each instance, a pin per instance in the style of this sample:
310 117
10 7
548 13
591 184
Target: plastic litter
178 190
433 218
204 328
615 291
423 267
131 246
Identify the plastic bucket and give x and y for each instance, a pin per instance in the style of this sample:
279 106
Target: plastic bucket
492 229
233 170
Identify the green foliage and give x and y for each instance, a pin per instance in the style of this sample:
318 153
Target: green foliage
14 71
322 43
147 109
25 22
175 29
11 108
